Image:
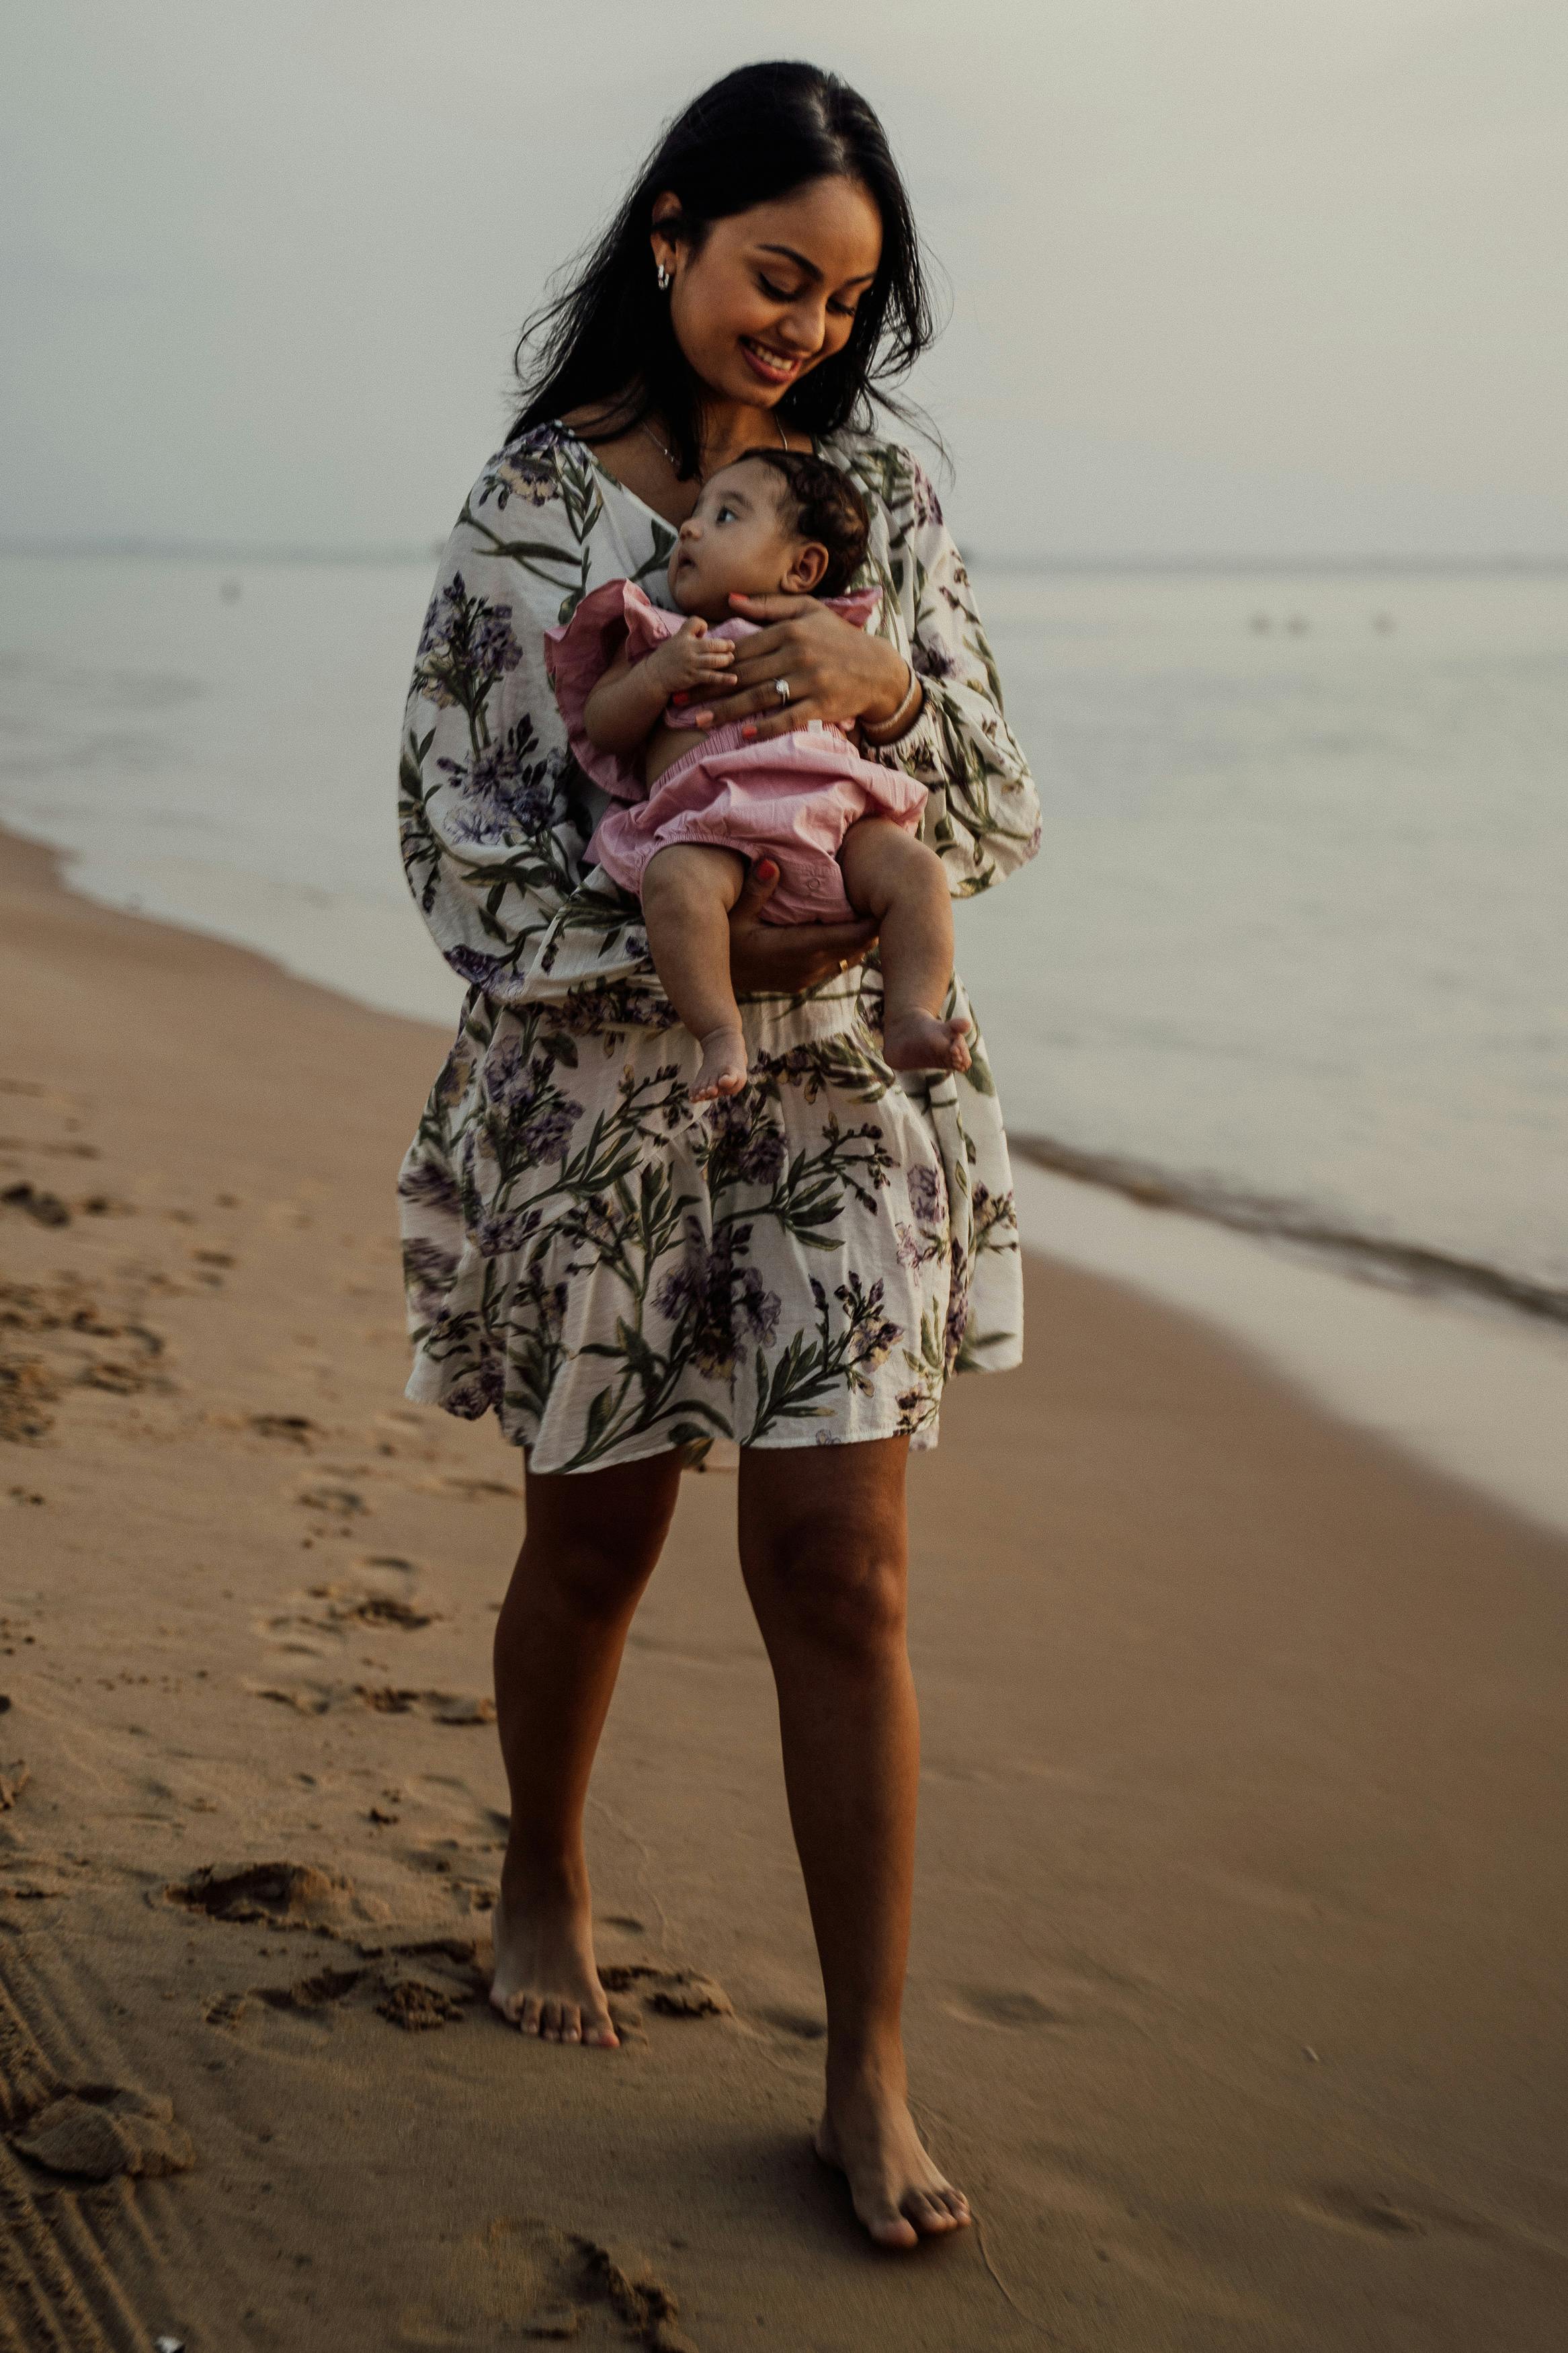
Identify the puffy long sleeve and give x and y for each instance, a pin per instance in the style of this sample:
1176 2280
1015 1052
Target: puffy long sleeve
494 812
983 816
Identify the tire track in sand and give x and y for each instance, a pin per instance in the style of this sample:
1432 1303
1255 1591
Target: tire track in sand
87 2265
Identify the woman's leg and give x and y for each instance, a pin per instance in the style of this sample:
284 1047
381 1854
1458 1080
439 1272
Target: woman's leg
824 1559
590 1548
688 892
902 884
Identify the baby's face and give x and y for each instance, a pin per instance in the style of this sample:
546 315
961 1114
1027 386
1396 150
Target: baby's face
736 539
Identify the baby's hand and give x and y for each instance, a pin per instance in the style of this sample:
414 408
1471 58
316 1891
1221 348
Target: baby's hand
691 658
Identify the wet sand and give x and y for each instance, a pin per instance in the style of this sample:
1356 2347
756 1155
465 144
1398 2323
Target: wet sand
1236 1994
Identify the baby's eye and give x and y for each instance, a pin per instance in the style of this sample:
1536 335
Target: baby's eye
726 512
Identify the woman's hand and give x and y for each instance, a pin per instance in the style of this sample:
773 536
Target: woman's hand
788 957
834 672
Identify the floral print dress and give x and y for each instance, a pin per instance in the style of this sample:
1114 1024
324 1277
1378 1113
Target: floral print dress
609 1268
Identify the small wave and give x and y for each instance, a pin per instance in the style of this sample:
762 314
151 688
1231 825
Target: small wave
1412 1265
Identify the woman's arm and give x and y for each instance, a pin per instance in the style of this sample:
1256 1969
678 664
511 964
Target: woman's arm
984 817
493 813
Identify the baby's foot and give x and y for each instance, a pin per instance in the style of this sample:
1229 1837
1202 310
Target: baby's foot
723 1068
920 1041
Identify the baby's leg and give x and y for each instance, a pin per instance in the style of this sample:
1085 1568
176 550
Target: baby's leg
896 879
688 892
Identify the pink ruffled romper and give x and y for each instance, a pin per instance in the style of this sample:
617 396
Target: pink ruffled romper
792 799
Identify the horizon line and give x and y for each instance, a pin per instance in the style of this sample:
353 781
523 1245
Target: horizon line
145 547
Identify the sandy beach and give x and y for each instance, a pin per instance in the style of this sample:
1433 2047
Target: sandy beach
1236 1996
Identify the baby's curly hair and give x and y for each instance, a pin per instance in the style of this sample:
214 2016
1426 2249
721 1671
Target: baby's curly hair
826 507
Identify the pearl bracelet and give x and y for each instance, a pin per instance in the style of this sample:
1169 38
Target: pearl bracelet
887 730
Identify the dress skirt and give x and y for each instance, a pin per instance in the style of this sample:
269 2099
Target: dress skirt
614 1271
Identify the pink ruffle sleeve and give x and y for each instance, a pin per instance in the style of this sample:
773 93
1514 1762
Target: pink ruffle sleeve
580 651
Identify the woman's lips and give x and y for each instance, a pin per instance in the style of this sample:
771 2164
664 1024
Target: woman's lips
772 367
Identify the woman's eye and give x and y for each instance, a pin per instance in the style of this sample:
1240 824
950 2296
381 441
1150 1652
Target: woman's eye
776 293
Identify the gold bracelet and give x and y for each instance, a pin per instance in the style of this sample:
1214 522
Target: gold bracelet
887 730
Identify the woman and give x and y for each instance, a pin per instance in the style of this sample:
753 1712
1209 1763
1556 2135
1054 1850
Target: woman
621 1276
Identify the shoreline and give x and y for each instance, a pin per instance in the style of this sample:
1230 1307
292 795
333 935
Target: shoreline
1474 1385
1234 1997
1473 1391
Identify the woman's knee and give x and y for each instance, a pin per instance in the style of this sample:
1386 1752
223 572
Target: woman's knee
838 1586
592 1543
595 1575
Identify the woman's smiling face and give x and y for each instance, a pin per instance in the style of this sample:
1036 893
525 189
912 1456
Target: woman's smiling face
771 293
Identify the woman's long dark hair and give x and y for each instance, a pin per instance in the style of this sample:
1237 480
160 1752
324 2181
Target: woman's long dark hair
760 133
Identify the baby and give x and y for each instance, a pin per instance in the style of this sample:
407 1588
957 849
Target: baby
702 802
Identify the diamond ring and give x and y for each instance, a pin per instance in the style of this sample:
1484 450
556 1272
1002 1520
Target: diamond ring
780 688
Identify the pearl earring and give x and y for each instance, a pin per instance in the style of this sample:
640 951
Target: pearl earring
662 275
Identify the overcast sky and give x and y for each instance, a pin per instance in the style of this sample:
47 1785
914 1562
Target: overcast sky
1250 277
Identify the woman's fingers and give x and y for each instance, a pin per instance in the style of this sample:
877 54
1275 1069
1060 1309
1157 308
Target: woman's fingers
800 954
772 608
837 944
778 720
762 881
787 955
757 657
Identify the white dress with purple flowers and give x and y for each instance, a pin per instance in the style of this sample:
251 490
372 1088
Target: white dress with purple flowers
611 1269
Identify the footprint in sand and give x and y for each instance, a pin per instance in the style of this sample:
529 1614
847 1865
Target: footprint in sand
997 2006
800 2023
1409 2215
380 1699
470 1491
380 1593
332 1502
286 1429
290 1896
439 1991
673 1993
521 2277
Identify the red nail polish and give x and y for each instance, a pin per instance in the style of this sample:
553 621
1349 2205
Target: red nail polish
748 733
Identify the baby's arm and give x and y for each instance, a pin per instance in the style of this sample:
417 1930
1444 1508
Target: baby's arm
629 702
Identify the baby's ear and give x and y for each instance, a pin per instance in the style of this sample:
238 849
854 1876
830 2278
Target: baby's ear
805 575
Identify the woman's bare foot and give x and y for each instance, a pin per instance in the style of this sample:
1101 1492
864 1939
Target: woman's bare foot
723 1070
869 2135
920 1041
546 1980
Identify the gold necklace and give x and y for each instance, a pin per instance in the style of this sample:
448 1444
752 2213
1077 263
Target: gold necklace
673 462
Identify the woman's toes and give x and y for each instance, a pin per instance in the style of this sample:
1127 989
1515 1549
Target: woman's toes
893 2229
527 2013
956 2204
570 2023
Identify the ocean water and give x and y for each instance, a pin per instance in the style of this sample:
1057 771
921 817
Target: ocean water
1297 928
